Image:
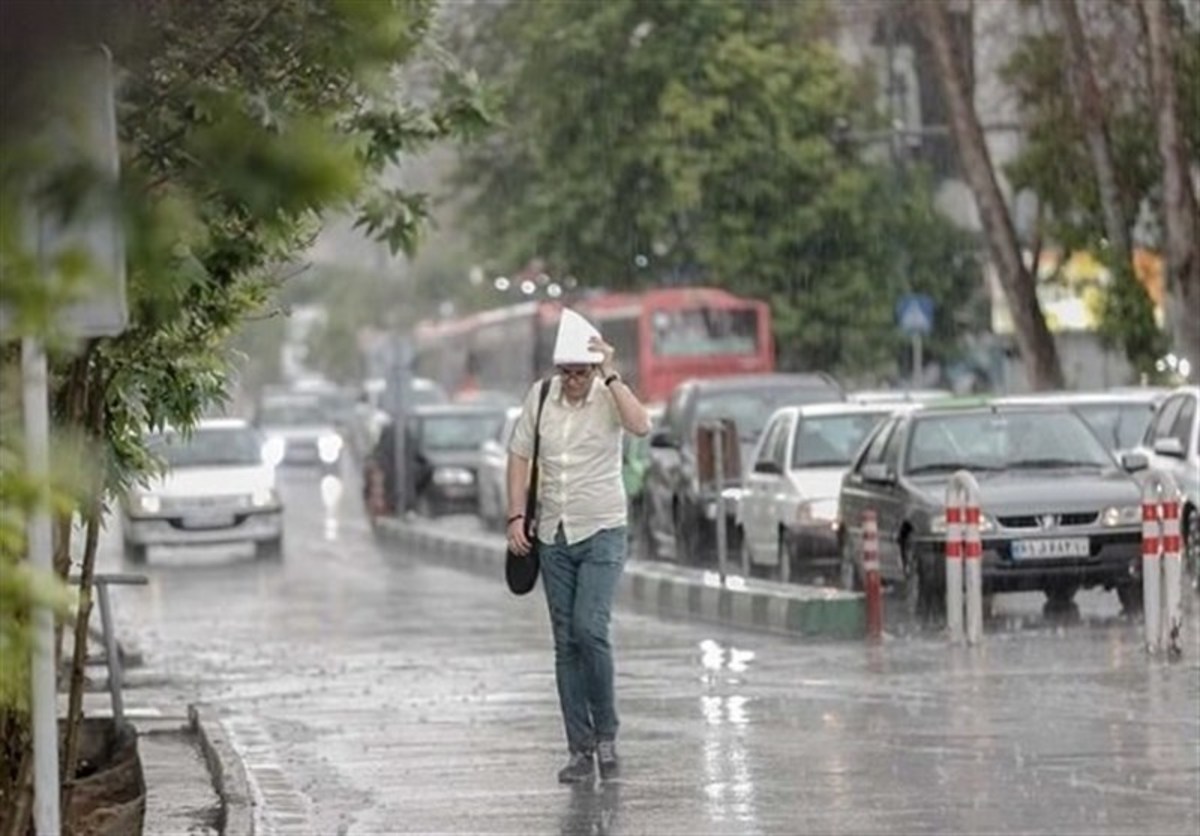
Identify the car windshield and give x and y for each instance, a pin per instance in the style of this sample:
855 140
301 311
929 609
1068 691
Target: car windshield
458 432
750 408
831 440
1003 441
1120 426
305 413
227 447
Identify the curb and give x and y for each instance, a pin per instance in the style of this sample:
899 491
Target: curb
665 589
228 772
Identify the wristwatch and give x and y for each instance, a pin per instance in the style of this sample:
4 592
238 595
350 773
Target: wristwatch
612 378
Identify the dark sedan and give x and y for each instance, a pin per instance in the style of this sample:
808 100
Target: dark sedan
1059 512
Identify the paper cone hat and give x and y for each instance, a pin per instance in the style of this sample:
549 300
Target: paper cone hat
571 347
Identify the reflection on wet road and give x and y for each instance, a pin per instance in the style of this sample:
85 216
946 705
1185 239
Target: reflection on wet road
372 693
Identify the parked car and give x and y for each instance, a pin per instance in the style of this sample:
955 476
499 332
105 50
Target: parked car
443 459
217 487
1119 418
493 473
788 512
1172 443
682 512
300 431
1059 512
369 416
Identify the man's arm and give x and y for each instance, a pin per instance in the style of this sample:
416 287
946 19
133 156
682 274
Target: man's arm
518 492
630 410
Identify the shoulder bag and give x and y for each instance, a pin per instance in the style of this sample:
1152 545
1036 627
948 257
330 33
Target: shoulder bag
521 571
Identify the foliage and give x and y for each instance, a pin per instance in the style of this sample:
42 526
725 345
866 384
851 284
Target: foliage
1054 161
689 141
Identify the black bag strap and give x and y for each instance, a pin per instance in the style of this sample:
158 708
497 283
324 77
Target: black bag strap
531 496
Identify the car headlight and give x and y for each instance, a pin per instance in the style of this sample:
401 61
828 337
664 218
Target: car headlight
329 447
1121 515
273 450
148 503
446 476
817 512
262 497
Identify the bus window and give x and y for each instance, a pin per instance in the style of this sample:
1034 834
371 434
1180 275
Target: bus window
699 332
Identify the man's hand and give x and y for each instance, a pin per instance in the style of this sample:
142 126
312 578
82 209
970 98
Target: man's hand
606 365
518 543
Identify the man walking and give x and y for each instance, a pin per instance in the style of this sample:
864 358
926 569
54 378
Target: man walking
580 528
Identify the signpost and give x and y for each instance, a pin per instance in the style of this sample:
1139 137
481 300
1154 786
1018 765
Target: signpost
81 129
914 315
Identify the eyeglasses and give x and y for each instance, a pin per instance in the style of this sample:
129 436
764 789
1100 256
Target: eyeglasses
575 371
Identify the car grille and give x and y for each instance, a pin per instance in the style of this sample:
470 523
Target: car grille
179 504
1037 521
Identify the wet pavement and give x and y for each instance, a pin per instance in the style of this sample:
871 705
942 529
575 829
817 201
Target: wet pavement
371 692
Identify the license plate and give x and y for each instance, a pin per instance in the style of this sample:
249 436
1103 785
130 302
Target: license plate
207 520
1052 548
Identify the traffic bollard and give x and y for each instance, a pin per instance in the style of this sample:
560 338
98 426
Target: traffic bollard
871 584
1172 576
1151 571
1162 564
964 558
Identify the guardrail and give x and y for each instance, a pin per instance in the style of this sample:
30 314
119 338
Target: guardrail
112 655
1162 563
964 558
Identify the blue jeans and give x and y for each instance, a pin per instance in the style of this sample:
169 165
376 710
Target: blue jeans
580 581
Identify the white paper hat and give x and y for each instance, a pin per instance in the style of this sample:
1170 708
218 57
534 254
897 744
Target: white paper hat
571 346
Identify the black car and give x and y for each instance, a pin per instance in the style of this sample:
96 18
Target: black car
443 455
680 512
1058 510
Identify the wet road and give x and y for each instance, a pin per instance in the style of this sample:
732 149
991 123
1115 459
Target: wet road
371 693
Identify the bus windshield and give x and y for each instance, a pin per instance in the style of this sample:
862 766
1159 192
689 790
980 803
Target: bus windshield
700 332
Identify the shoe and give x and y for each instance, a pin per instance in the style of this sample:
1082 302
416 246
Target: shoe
610 765
580 768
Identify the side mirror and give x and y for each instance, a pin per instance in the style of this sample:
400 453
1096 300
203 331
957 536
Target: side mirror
878 474
767 467
661 439
1133 462
1169 446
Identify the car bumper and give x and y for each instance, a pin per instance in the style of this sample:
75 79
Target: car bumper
245 526
815 544
1115 558
454 499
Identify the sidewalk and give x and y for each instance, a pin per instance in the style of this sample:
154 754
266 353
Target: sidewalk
665 589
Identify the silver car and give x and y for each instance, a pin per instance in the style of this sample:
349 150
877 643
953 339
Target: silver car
218 487
493 473
1172 443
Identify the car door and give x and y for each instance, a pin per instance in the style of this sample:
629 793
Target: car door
1160 429
1183 431
781 508
861 492
757 478
892 508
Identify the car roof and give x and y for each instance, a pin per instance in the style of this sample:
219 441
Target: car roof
881 396
1129 396
815 380
850 408
995 407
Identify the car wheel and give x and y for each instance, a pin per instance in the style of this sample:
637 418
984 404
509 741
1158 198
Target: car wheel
269 549
848 570
135 552
1130 596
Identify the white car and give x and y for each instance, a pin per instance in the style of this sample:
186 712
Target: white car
1172 443
493 473
788 510
218 487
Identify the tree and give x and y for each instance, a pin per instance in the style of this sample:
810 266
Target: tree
1180 213
233 147
1033 336
697 141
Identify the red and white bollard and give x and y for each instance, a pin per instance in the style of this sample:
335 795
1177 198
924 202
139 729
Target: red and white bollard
871 584
964 558
1162 563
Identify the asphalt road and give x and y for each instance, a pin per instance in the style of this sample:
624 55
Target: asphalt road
373 693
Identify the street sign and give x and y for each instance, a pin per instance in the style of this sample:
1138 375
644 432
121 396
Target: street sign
914 314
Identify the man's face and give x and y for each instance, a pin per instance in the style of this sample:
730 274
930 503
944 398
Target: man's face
576 379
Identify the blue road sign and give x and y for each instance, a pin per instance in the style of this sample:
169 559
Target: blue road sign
914 314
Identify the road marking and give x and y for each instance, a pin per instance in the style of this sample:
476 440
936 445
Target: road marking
279 808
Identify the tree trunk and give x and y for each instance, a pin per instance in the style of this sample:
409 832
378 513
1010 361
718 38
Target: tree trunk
17 816
1180 214
1034 340
1128 295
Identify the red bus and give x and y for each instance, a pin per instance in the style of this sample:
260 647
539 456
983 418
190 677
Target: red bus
662 337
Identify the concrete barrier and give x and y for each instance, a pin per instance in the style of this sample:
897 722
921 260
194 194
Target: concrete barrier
663 589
